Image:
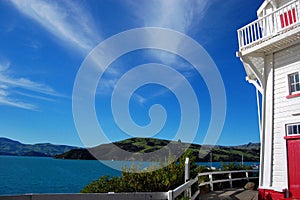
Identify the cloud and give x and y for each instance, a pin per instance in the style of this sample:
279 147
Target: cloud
4 65
66 20
184 16
27 84
13 89
16 103
70 23
180 15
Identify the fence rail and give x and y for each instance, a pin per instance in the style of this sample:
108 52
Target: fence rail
270 25
211 181
170 195
186 186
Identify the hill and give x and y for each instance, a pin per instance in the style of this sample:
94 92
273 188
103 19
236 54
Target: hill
135 147
12 147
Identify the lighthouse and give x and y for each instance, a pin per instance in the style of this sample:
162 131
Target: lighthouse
269 49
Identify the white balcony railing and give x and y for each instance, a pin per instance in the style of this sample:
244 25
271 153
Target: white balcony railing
276 23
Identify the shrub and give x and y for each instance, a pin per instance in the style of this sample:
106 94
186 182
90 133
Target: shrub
155 179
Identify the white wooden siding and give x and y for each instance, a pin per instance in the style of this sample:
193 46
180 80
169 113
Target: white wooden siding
282 2
267 7
285 63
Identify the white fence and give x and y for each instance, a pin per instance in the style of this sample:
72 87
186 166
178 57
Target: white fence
212 180
170 195
270 25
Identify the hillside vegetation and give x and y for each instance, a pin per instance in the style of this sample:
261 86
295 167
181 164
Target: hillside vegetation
137 149
15 148
161 179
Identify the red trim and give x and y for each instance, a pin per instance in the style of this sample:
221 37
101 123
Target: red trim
264 194
288 18
294 137
293 96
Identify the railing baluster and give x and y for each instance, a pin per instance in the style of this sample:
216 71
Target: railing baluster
276 24
258 31
269 24
230 179
187 177
243 38
255 31
249 36
247 176
211 182
297 11
240 37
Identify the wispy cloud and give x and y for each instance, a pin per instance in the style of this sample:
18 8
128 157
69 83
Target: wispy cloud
71 23
184 16
66 20
180 15
72 26
12 89
16 103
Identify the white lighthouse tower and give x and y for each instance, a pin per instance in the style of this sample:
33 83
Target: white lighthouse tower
269 49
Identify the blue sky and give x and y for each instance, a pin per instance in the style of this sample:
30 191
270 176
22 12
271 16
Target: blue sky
44 43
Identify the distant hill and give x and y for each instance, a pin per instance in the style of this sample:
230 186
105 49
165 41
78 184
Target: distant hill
134 148
11 147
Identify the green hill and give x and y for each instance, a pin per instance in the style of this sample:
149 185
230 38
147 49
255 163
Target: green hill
139 149
12 147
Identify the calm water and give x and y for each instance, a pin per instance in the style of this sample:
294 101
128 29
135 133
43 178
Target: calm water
20 175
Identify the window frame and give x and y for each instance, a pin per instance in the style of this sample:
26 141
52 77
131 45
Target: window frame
294 127
294 84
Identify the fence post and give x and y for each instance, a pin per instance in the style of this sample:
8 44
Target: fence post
230 179
211 182
247 176
170 195
187 170
187 177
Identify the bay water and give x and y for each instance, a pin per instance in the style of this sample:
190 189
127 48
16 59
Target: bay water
25 175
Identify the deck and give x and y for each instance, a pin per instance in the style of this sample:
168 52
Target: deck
273 31
231 194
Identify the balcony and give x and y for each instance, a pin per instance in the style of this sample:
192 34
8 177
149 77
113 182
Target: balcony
272 32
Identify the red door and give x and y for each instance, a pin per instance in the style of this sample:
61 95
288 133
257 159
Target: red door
293 146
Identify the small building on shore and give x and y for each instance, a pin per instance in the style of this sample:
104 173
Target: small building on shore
269 49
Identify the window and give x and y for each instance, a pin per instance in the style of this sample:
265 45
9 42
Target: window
294 84
293 129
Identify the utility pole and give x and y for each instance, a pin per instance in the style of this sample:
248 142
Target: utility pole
242 159
211 160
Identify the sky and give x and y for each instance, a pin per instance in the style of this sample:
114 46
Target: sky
44 46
